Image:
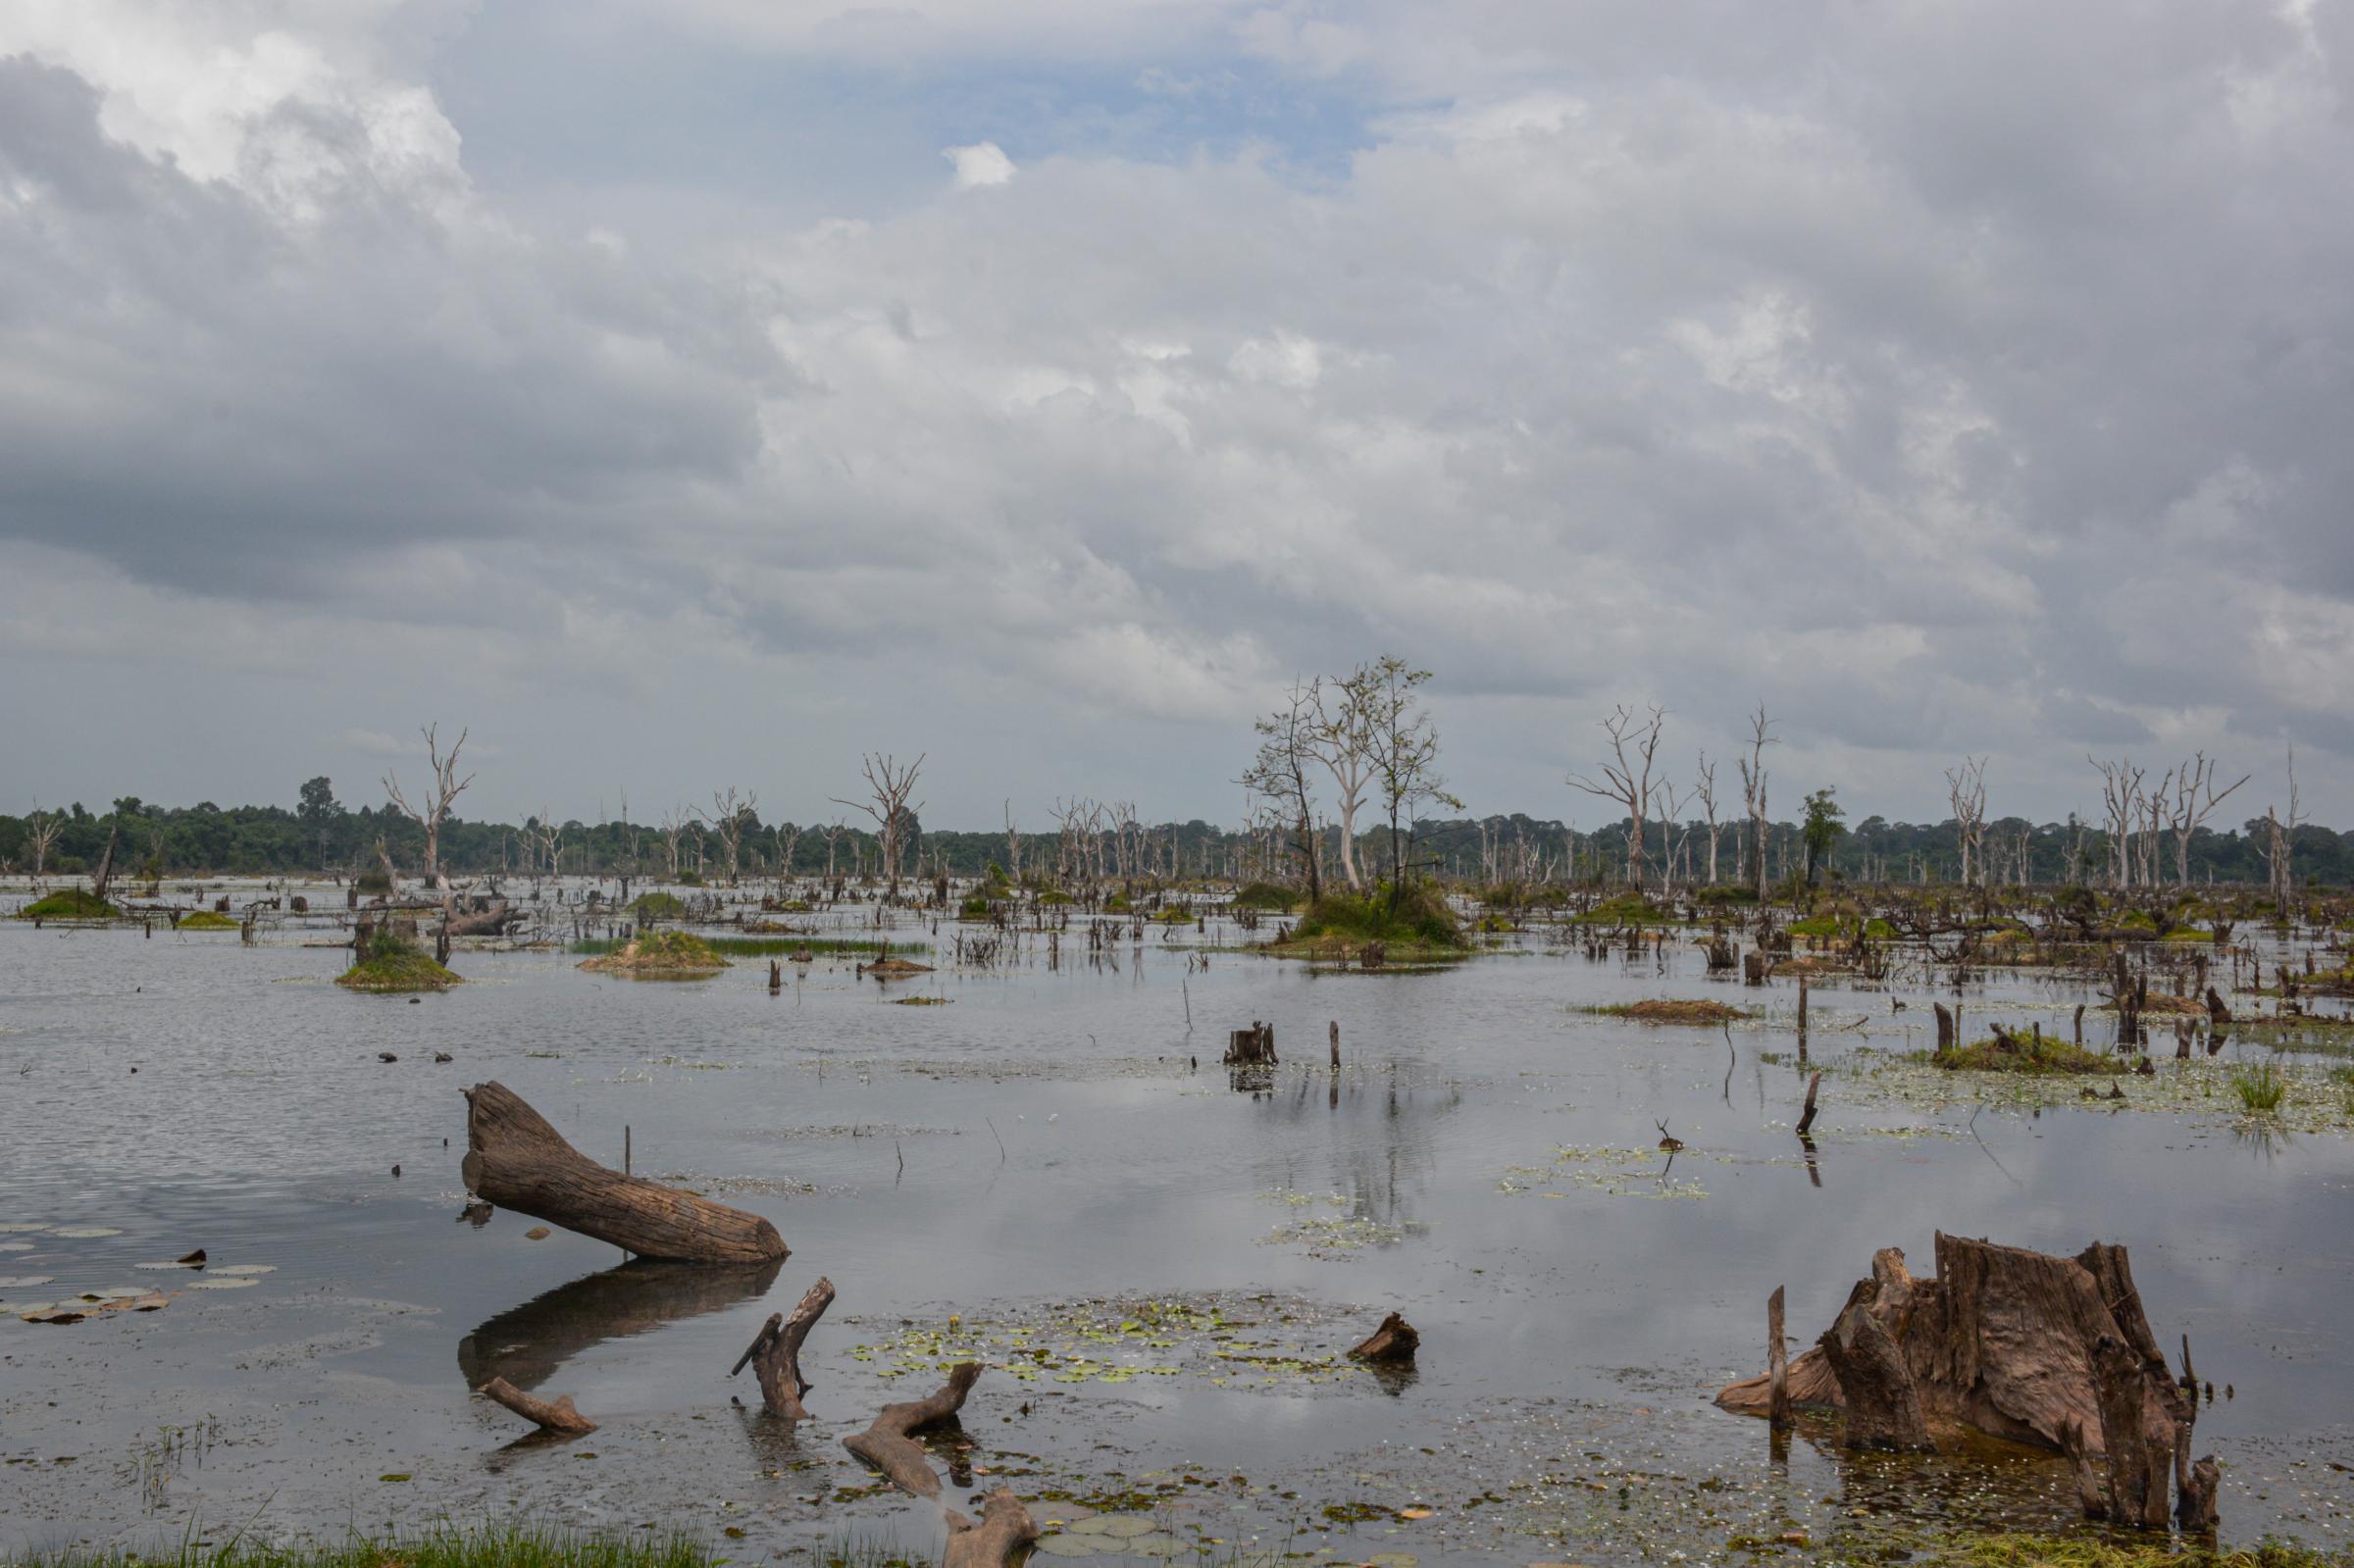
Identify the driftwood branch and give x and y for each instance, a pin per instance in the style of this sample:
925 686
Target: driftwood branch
889 1446
517 1161
1005 1528
776 1353
557 1416
1394 1340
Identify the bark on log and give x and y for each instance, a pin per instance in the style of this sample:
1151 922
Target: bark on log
1807 1121
1005 1528
516 1160
2139 1440
1777 1362
1882 1404
889 1446
1394 1340
557 1416
776 1353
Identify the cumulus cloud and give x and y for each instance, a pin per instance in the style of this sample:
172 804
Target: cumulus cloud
1953 383
982 163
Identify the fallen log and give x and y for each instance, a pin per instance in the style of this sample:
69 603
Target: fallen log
889 1443
776 1353
516 1160
2054 1352
1005 1528
557 1416
1394 1340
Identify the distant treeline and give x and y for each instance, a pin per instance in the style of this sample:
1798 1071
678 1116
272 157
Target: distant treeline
320 834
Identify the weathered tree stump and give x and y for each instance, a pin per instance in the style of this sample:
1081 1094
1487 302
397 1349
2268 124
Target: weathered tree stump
1880 1400
516 1160
1251 1047
1807 1121
1005 1528
555 1416
776 1353
1394 1341
1948 1032
1777 1362
2050 1351
889 1443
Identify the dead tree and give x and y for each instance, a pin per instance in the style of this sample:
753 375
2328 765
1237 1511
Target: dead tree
887 785
889 1446
446 788
728 818
556 1416
1705 791
1965 788
1278 775
40 832
2195 799
776 1353
1005 1528
1626 777
1753 796
2121 802
514 1160
2278 839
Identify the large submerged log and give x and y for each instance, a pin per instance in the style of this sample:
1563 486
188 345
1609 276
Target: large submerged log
889 1446
516 1160
2051 1351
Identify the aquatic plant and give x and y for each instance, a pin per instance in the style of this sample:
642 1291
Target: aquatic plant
2260 1087
661 953
1660 1010
391 962
69 903
1421 918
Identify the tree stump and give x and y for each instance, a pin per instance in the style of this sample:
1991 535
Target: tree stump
1777 1363
1251 1047
516 1160
1394 1340
1882 1402
889 1446
776 1353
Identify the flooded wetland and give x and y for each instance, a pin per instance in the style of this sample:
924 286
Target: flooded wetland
1159 1262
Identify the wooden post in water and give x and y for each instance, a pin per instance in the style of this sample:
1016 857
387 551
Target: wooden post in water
1777 1362
1336 1045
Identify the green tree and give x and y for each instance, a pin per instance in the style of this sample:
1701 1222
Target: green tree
1826 823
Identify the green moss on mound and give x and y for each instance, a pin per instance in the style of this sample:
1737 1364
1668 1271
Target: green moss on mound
661 953
1663 1011
1267 896
2025 1053
1628 909
206 920
393 963
69 903
1421 921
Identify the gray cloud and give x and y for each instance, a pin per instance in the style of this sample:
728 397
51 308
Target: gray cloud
1953 380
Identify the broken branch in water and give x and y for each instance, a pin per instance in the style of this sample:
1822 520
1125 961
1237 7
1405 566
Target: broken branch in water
558 1417
776 1353
889 1446
1005 1528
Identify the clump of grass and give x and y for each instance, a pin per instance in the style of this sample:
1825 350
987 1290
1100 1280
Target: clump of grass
1267 896
372 882
206 920
1628 909
1663 1011
652 907
2004 1549
393 963
1421 918
69 903
769 947
2261 1087
2031 1054
661 953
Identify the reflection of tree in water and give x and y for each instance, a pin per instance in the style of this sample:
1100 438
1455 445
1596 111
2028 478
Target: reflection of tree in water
527 1344
1384 1136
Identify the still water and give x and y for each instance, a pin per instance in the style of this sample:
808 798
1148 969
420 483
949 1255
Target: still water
1052 1174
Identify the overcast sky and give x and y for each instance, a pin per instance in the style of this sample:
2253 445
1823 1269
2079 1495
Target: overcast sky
692 393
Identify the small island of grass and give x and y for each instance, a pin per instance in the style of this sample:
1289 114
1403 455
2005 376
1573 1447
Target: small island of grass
206 920
1417 928
662 954
391 962
1660 1010
2031 1054
69 903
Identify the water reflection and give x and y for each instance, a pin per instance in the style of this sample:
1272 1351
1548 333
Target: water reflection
526 1345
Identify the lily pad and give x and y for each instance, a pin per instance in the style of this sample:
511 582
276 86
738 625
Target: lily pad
18 1282
1067 1545
84 1233
15 1246
1156 1545
1394 1559
18 1227
221 1285
1118 1526
235 1270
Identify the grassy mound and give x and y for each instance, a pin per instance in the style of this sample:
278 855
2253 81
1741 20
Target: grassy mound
207 920
393 963
1267 896
1421 920
2025 1053
1663 1011
652 907
69 903
1628 909
661 953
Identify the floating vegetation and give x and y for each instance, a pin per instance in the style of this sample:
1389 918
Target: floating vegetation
661 954
1326 1235
1663 1011
770 946
2196 1088
922 1001
393 963
2261 1087
86 1233
205 920
1228 1341
1610 1172
69 903
2025 1053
